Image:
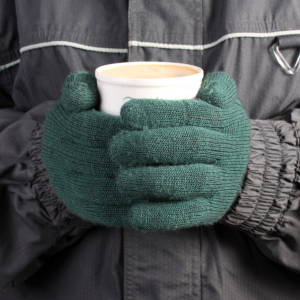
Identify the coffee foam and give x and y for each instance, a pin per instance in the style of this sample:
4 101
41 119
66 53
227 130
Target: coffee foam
148 71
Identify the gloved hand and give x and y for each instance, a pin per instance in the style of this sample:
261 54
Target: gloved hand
75 153
183 161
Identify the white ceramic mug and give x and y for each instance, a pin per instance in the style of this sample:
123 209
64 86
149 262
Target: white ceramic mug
115 91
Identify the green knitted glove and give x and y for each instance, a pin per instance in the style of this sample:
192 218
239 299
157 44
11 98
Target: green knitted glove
184 161
75 153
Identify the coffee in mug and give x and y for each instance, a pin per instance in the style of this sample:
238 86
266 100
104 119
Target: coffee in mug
149 71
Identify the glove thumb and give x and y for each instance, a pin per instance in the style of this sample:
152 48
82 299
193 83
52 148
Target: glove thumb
218 89
79 92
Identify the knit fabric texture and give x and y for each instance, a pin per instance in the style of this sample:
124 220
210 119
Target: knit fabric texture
162 165
182 162
75 153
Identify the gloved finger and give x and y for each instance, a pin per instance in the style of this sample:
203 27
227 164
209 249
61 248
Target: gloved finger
92 127
108 215
170 215
169 182
87 186
79 92
99 190
154 113
174 146
86 159
218 89
112 215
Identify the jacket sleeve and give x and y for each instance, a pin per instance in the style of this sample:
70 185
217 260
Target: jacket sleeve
268 207
34 224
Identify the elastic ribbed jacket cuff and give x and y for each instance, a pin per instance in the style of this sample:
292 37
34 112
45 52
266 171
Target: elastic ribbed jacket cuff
57 211
268 184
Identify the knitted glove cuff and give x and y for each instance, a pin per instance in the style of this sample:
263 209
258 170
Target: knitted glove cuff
272 172
59 215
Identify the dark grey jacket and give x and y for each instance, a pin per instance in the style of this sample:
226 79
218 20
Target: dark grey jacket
47 253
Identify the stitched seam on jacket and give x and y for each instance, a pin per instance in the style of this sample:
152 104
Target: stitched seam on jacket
73 45
62 44
9 65
222 39
149 44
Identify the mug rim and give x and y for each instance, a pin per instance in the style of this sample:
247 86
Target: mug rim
147 81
